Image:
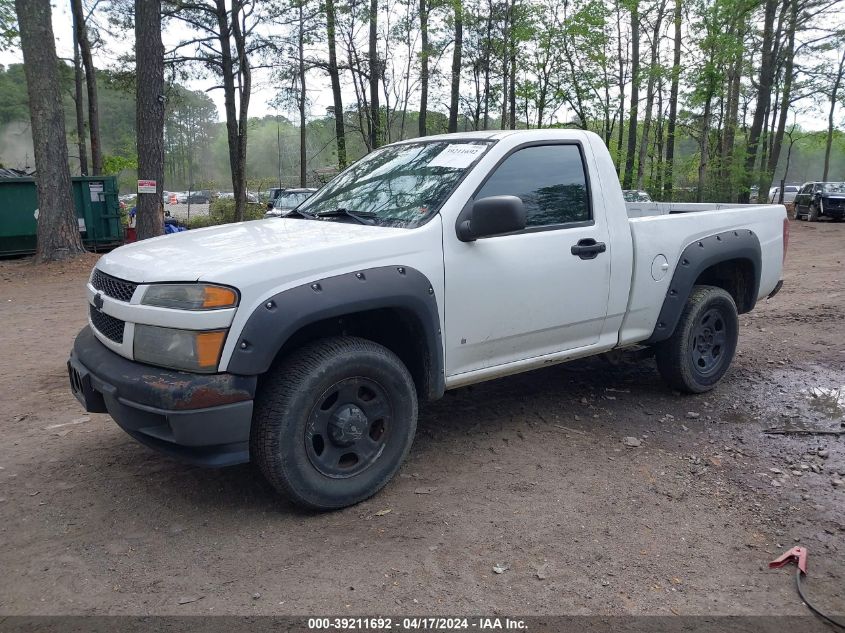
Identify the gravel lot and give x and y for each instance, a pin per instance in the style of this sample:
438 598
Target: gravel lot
530 473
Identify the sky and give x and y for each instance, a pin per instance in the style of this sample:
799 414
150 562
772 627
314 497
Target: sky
811 117
263 91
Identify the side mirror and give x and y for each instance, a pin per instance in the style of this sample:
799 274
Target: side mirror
495 215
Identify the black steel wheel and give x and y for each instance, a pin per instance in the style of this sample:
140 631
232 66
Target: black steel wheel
333 422
709 336
348 427
702 347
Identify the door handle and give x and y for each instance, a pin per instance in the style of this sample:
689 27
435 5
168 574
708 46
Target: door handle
588 248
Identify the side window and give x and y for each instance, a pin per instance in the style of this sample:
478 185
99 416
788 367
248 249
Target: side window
806 189
549 179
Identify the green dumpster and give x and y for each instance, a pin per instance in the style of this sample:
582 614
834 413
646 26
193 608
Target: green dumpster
95 201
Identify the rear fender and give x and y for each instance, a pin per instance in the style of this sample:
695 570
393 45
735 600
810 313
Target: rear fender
696 258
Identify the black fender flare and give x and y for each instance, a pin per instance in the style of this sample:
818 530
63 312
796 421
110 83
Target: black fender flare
695 259
279 317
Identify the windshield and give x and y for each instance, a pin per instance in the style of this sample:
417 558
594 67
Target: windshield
290 200
399 185
834 187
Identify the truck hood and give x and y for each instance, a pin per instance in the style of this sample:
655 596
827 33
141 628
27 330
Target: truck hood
225 253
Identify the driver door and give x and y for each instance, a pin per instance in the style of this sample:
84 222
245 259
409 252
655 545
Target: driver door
521 295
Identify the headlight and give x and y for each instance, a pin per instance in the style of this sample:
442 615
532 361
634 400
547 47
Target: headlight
187 350
190 296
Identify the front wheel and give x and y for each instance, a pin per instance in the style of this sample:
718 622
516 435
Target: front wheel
333 422
701 348
813 214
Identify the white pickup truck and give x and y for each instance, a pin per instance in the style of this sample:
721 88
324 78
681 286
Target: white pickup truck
304 343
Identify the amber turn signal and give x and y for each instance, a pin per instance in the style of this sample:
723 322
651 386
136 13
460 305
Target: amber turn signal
218 297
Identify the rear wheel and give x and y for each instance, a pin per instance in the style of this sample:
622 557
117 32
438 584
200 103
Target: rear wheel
701 349
333 422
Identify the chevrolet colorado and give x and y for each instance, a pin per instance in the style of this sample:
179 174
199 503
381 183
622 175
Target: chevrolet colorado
304 343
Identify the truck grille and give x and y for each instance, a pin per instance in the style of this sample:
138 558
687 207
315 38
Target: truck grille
107 325
112 286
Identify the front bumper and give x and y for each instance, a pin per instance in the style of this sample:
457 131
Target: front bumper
200 419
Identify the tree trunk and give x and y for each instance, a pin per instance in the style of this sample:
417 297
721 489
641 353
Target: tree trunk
91 83
149 105
423 67
78 99
726 165
487 51
764 84
245 85
58 231
505 39
512 87
834 95
229 105
303 151
635 96
334 74
704 145
456 67
619 140
374 70
236 114
673 105
657 186
649 99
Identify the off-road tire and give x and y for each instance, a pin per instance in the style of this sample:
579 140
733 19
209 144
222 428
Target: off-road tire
680 357
288 402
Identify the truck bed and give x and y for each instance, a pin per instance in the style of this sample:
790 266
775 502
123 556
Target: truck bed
647 209
667 228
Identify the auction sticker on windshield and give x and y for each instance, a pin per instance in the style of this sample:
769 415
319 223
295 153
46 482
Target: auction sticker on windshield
457 156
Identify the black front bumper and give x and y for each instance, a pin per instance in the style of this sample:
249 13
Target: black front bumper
199 418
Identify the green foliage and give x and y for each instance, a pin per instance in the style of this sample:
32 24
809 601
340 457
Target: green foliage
14 103
8 25
222 211
114 164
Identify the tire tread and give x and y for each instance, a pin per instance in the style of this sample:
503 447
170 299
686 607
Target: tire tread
671 354
274 402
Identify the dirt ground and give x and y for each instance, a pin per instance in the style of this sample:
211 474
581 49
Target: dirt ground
528 472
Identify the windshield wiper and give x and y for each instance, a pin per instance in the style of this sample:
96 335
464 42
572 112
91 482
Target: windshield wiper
361 218
302 214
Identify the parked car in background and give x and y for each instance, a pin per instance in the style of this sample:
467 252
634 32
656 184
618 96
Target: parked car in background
636 195
273 193
820 199
789 193
251 198
198 197
287 200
